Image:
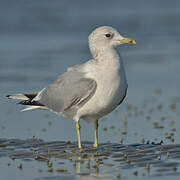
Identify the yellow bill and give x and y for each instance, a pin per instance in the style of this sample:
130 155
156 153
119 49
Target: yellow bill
128 40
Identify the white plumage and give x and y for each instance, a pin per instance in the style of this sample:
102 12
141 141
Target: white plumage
90 90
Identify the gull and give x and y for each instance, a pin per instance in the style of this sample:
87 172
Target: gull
87 91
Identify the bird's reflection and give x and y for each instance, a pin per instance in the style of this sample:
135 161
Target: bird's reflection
86 166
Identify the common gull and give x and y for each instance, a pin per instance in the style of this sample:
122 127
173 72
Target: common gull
87 91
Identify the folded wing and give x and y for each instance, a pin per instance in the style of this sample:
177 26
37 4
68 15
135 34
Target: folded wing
69 91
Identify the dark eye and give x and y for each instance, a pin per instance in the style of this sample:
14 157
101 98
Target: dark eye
108 35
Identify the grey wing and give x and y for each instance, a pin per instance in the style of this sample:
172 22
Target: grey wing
70 90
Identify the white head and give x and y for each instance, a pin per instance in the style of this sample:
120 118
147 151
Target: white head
106 37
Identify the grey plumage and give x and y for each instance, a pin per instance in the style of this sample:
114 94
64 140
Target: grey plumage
90 90
70 91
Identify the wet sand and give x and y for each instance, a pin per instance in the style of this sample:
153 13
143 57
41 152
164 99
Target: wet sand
139 140
60 158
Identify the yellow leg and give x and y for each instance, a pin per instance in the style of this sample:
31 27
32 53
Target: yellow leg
78 135
95 134
79 165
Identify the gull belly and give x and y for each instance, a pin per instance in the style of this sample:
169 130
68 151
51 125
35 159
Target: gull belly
111 89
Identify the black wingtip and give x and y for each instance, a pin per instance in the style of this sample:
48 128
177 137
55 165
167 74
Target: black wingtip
8 96
30 103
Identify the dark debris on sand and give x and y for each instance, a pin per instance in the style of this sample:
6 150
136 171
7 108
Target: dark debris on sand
159 156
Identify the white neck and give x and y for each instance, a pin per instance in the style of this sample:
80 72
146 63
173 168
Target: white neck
109 57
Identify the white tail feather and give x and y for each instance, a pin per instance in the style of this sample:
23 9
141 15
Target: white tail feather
18 96
33 108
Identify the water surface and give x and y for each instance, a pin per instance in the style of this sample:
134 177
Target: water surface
40 39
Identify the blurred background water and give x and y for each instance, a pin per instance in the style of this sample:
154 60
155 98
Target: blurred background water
40 39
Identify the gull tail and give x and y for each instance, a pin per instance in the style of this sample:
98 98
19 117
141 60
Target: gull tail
27 99
23 96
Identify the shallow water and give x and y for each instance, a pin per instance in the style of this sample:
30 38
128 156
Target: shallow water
40 39
110 160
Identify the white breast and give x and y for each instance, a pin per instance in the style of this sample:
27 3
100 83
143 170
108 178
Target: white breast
111 88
